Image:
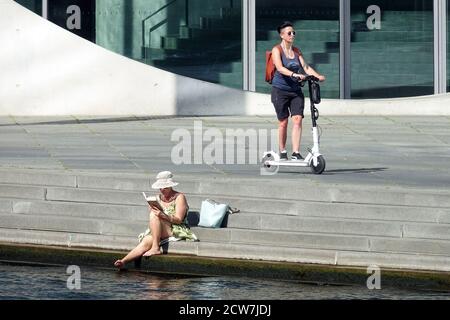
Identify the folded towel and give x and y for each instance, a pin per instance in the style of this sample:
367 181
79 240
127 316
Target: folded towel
167 240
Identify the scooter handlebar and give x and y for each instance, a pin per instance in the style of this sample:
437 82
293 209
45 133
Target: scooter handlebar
309 78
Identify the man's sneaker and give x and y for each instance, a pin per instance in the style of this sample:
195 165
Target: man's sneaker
297 156
283 156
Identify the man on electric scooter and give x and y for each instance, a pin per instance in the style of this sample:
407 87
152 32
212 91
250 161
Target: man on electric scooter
287 96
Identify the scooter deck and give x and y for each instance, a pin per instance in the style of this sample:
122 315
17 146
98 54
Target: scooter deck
289 163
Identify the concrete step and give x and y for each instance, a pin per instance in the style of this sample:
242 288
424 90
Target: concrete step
255 189
245 195
416 246
427 231
290 231
315 225
323 241
53 223
66 239
116 214
37 178
78 210
6 205
361 194
264 252
394 260
195 248
22 192
99 227
285 239
237 251
329 210
373 212
333 257
302 216
132 227
94 196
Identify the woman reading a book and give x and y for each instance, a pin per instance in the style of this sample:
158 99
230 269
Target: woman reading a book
168 218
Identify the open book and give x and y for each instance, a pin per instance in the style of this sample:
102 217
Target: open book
152 201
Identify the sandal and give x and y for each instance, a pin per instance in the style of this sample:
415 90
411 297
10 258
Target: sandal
233 210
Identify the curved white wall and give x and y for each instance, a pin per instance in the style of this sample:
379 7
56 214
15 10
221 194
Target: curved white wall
46 70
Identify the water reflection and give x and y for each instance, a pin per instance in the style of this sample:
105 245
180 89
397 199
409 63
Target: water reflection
51 283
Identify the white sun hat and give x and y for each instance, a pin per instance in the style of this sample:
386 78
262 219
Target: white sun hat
164 180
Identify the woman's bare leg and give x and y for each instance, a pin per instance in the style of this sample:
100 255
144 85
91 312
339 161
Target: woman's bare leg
296 133
160 229
282 133
141 248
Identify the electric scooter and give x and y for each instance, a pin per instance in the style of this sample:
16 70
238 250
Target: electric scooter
315 160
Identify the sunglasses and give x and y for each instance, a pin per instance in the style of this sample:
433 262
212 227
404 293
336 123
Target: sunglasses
291 33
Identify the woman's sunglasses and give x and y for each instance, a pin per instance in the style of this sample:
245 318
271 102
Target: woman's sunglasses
291 33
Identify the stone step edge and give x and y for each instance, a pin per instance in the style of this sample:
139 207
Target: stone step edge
225 179
206 196
329 219
194 229
191 247
331 257
368 238
194 209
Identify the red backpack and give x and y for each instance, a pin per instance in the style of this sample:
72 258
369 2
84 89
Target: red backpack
270 66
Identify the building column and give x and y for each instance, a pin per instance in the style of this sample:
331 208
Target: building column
440 46
45 9
345 22
249 45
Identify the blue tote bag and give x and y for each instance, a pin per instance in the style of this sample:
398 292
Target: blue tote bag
212 214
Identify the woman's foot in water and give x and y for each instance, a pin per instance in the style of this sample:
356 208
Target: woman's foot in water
152 252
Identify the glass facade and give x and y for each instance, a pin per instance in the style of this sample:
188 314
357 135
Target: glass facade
392 48
195 38
33 5
78 16
317 27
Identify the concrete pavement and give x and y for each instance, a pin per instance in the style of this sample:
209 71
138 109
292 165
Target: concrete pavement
386 151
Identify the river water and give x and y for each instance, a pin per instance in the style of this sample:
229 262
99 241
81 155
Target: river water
34 282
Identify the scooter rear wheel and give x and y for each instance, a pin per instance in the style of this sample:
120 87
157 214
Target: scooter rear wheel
321 164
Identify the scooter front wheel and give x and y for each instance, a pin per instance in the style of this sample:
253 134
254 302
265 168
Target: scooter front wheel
321 164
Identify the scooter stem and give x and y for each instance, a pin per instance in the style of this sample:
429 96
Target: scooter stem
315 149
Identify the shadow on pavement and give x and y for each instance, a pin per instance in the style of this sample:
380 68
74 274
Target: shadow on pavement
98 120
361 170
